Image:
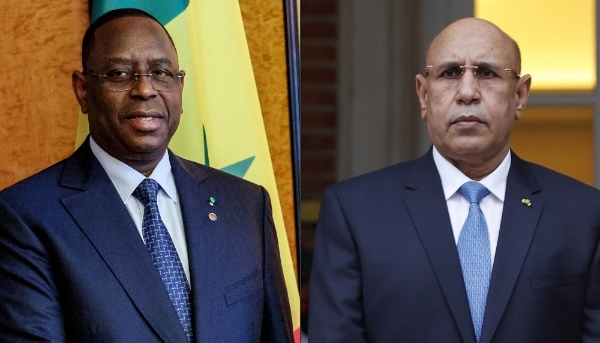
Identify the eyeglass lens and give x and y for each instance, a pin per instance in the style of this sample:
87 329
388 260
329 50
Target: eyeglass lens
161 80
479 71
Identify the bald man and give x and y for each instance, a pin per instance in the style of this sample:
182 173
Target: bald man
468 243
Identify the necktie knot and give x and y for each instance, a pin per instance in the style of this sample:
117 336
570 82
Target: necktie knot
146 191
473 191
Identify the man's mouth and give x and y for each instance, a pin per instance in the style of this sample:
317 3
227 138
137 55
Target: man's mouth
469 121
145 121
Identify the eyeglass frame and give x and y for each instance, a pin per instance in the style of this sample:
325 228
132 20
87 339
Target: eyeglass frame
474 68
180 75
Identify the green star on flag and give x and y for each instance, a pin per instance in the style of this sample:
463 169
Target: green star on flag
238 169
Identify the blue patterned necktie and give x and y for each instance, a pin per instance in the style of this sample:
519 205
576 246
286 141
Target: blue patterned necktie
163 253
474 253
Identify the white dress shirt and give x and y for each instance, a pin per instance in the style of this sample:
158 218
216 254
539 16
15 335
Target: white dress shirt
126 179
458 207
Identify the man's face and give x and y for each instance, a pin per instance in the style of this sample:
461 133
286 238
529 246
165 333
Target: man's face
470 117
134 125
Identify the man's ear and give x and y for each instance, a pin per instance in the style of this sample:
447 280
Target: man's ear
421 83
80 87
522 94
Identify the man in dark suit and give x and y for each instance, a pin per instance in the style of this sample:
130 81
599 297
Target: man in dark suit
125 241
468 243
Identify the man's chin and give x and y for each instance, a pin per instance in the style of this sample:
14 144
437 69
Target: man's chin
468 146
148 147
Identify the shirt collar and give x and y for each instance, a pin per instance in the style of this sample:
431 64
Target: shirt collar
453 179
126 179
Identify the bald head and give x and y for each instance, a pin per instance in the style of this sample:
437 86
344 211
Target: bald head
468 31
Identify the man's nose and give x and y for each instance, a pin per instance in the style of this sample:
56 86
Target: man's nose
143 86
469 89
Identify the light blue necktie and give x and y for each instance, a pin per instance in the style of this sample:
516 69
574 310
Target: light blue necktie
474 253
163 253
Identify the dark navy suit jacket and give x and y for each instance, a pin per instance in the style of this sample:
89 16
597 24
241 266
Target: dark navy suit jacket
73 267
386 268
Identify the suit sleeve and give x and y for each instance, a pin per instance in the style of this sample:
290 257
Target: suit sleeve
591 329
277 322
29 305
335 298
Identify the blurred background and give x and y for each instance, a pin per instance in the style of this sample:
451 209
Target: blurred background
359 106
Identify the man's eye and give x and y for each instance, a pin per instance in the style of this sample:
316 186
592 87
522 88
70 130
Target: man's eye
451 73
119 75
485 73
159 72
161 75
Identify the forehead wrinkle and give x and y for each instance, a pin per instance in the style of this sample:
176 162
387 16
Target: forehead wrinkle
129 61
119 60
473 31
155 61
481 57
491 57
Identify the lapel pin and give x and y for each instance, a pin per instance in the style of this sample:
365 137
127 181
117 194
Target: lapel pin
212 201
526 202
212 216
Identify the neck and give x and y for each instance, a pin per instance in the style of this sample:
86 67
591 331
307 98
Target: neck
143 166
478 167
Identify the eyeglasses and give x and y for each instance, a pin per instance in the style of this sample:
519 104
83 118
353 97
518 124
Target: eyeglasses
121 80
481 72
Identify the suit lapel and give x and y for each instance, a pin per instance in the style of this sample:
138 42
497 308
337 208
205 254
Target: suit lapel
429 212
204 239
100 213
516 233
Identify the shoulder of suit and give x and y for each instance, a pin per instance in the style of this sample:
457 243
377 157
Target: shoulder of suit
549 178
391 176
40 181
554 186
212 174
